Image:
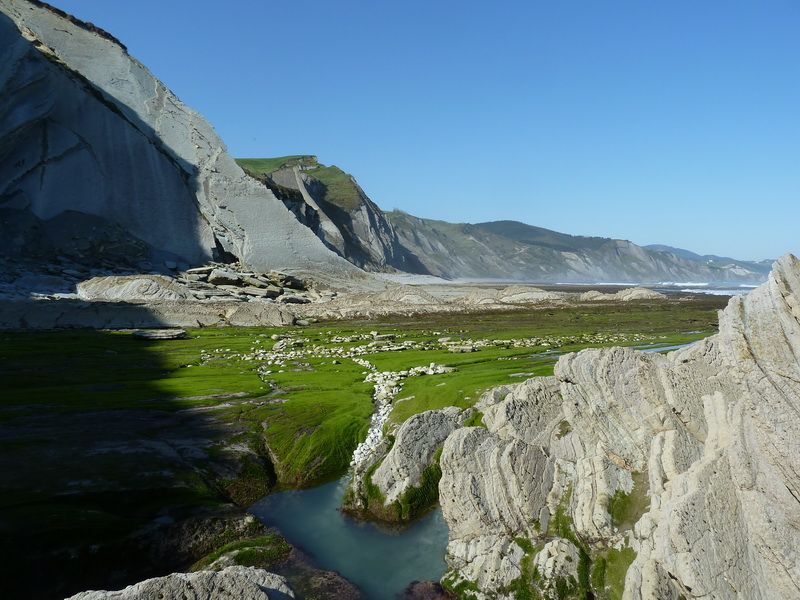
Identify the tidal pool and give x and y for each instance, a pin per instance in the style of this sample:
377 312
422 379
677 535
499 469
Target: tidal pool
380 561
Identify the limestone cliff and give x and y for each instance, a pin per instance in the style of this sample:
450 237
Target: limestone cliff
86 128
672 476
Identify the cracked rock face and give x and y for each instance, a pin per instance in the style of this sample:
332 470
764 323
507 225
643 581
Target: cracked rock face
233 583
681 468
558 559
85 127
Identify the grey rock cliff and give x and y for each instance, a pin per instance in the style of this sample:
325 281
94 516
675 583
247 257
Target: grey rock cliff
681 470
85 127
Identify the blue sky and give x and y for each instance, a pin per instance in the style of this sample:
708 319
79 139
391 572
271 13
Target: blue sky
673 122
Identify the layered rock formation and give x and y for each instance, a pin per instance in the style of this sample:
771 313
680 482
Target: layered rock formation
402 485
89 137
212 295
416 442
86 128
233 583
675 476
626 295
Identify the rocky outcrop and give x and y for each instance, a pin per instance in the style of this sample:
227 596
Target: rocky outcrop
133 288
87 129
233 583
362 494
513 295
66 313
212 295
415 444
679 471
626 295
412 463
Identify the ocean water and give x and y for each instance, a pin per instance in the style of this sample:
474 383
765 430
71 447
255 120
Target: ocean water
382 562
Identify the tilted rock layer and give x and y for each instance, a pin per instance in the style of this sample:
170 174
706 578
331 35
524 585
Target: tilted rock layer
686 467
85 127
415 445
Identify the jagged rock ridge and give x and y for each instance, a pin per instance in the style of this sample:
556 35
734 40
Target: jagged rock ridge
680 471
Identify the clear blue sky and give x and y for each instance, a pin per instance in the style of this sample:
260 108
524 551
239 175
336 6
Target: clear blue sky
675 122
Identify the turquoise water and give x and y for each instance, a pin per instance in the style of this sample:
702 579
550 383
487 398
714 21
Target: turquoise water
381 562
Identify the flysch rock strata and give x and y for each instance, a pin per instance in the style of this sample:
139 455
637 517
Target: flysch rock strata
93 132
684 468
416 442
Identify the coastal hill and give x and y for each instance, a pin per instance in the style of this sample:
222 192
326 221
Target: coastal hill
110 169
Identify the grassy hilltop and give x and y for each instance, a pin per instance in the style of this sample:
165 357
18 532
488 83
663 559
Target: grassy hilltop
339 187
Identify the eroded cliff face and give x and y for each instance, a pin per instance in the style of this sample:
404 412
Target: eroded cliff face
672 476
84 127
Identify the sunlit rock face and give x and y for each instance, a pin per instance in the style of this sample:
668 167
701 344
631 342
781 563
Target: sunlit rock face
85 127
681 470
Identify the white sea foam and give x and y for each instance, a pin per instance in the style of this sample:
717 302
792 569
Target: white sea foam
684 284
732 292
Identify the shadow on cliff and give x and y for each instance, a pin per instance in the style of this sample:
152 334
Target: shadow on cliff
112 166
105 451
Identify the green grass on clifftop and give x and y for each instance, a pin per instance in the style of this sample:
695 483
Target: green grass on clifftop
265 166
340 189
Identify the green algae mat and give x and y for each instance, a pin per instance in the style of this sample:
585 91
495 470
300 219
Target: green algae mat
103 434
